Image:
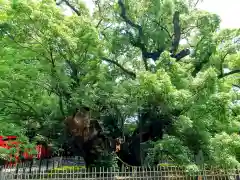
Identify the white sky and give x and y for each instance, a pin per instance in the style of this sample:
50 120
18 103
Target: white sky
228 10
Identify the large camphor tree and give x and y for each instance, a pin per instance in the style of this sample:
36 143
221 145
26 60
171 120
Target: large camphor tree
157 71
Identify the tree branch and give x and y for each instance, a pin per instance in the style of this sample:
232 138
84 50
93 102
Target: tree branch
183 53
58 3
141 46
100 14
237 86
176 39
71 6
196 3
229 73
74 73
177 32
61 105
132 74
99 22
58 88
138 43
221 65
19 103
128 21
165 29
200 65
51 58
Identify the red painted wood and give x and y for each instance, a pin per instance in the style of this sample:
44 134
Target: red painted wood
9 142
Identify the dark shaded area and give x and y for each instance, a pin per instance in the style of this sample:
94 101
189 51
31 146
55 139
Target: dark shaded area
92 146
154 121
130 150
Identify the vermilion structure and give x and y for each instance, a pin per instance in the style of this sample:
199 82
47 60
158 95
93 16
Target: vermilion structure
9 142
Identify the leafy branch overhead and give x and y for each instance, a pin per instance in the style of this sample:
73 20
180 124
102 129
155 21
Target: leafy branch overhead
143 47
139 42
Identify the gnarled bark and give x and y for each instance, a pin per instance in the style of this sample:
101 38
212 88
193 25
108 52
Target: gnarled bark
87 137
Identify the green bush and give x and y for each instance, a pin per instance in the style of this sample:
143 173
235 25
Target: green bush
65 169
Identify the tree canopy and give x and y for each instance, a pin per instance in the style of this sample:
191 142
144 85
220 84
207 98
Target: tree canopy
131 62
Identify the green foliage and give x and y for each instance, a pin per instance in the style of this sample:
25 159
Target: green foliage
106 161
4 153
52 62
65 169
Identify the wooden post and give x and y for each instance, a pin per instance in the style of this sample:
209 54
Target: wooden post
140 132
200 161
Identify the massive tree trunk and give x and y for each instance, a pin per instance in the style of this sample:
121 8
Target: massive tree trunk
154 124
87 138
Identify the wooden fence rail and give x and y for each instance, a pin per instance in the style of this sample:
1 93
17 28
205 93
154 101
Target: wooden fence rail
155 173
72 168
